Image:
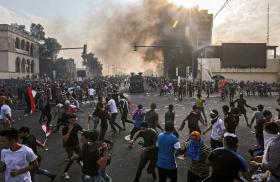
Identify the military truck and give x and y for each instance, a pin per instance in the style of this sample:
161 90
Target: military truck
136 83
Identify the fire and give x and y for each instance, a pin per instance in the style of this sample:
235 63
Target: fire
185 3
175 24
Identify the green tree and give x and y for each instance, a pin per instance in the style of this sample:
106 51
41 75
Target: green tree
37 30
92 63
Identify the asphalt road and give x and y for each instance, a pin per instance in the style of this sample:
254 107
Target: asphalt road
125 160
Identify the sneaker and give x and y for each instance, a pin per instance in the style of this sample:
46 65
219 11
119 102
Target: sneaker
26 115
66 175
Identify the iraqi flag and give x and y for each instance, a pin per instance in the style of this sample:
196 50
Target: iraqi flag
73 108
47 130
32 94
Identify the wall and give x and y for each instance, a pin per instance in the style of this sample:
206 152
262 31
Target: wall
12 61
270 74
4 61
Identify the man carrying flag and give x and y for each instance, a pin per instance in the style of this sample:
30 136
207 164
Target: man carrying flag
30 100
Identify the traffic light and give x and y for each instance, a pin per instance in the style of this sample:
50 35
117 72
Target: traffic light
135 46
85 49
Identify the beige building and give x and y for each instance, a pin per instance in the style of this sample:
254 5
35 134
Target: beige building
19 53
212 66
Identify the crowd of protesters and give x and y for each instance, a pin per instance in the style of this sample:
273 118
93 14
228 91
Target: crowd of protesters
224 88
21 160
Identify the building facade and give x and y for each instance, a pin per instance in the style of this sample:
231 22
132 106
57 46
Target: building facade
269 74
194 32
65 69
19 53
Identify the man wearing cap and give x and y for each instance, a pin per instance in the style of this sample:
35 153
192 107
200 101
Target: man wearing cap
218 129
271 159
226 163
149 152
198 152
193 119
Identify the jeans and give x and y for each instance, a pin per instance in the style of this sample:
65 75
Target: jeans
194 178
201 109
102 133
40 171
86 178
113 122
149 156
104 175
164 174
70 151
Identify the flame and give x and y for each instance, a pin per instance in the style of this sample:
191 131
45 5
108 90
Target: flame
175 24
184 3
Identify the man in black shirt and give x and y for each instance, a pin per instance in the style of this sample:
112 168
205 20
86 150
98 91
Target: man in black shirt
71 141
193 119
229 120
32 142
104 116
124 109
227 163
149 152
169 117
241 103
94 157
151 118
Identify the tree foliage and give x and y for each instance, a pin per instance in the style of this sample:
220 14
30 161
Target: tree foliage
37 31
94 66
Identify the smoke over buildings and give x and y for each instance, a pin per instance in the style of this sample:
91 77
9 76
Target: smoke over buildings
110 28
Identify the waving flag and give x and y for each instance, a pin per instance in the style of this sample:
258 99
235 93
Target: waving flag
32 93
73 108
46 129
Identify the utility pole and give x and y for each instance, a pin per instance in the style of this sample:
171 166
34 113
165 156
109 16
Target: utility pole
267 35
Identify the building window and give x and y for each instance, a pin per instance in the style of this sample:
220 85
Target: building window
32 66
23 63
27 46
18 65
17 43
31 49
22 46
28 66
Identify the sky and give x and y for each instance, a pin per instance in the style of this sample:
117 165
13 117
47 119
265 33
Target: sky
240 21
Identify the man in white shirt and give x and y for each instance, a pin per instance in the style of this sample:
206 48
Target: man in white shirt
218 129
114 112
18 159
91 94
5 114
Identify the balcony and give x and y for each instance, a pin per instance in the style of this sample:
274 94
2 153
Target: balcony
20 51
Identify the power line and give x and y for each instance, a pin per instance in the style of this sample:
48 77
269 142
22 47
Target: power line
224 5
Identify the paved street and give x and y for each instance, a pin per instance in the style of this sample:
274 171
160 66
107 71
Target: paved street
125 160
